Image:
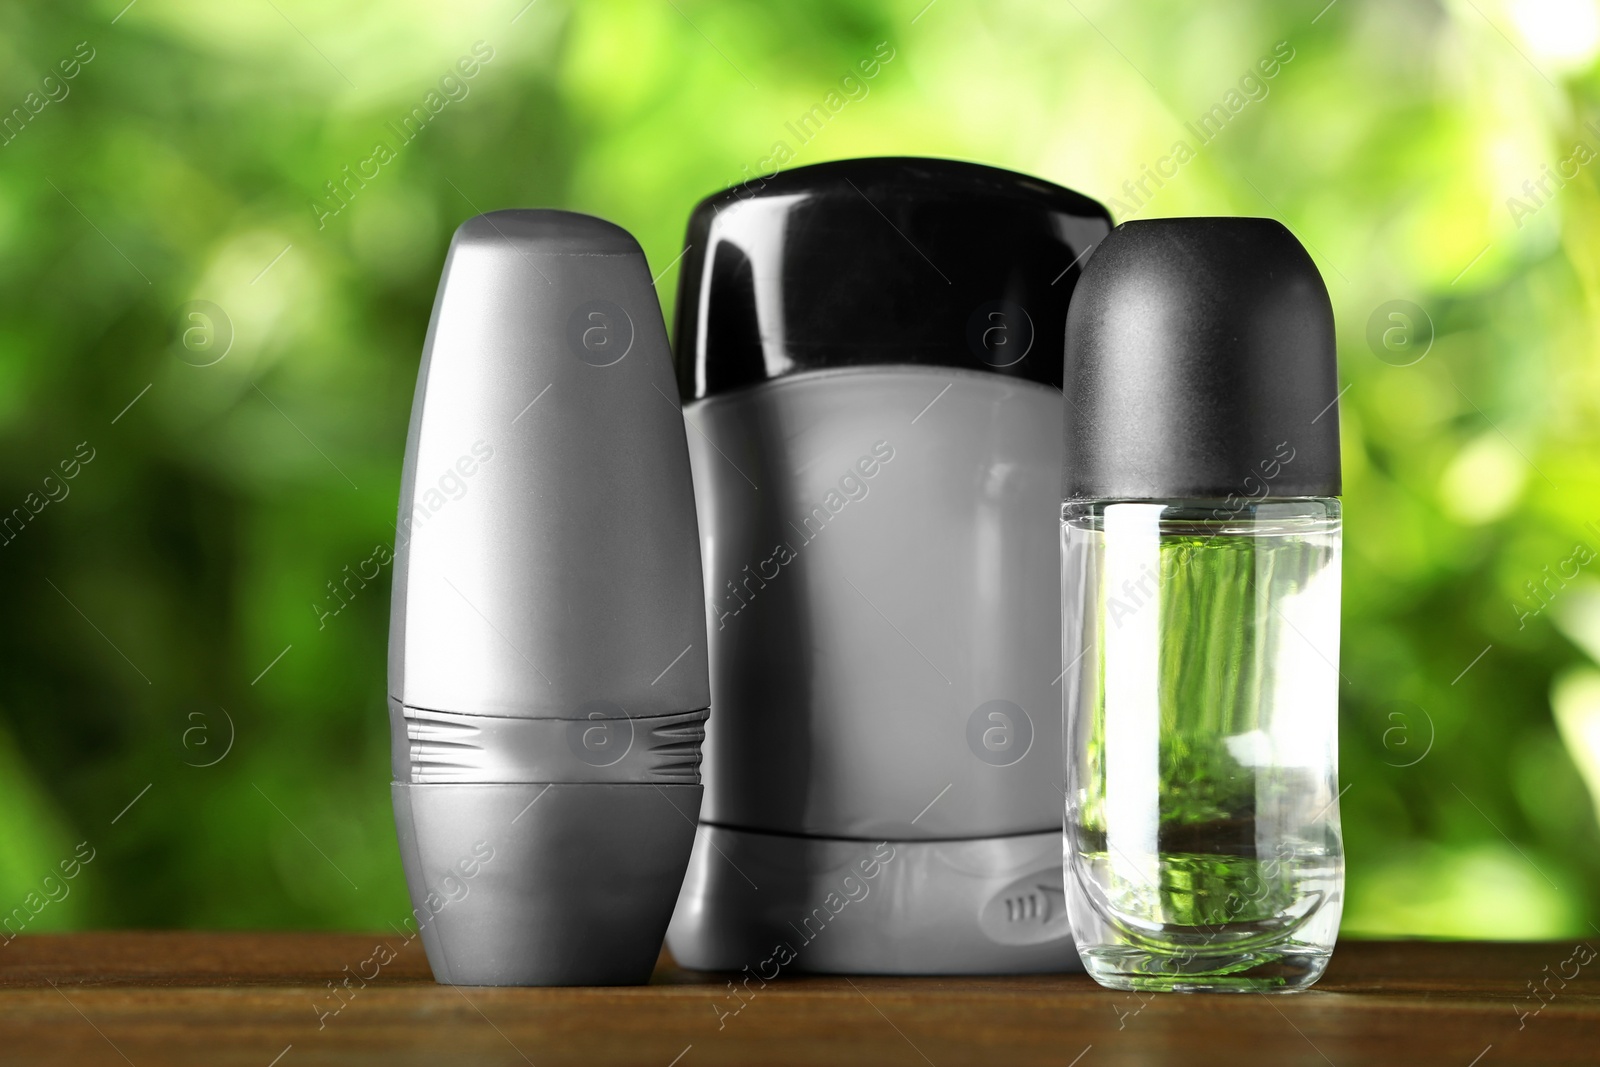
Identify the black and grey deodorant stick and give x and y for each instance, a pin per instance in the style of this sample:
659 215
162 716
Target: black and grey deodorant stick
869 352
547 650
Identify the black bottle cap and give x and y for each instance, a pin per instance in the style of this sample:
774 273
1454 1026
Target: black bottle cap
879 261
1199 364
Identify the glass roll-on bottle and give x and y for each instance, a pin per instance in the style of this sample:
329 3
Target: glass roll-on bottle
1201 586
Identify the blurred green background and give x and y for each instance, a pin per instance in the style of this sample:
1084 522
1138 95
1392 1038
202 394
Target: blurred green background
165 644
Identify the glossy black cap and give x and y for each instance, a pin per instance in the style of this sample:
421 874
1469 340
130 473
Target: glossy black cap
865 262
1200 353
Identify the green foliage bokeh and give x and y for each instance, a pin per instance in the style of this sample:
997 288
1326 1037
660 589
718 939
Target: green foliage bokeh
163 602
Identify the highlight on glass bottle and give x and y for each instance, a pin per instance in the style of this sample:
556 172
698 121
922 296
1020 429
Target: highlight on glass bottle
1202 813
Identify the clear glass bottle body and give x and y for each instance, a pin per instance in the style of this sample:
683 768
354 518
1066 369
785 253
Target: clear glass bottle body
1203 850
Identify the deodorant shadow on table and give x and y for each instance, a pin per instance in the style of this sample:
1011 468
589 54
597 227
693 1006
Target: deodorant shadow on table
547 669
869 352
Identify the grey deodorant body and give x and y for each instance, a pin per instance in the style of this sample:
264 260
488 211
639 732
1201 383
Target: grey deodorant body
547 665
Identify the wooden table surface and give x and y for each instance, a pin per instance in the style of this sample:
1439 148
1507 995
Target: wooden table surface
266 999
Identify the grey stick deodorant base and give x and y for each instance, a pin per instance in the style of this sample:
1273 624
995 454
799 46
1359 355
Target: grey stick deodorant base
547 664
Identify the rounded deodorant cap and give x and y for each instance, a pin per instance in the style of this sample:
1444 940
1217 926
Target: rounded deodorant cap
547 561
1199 354
865 262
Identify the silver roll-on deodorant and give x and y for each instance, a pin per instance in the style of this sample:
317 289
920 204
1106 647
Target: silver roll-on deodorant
869 353
547 652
